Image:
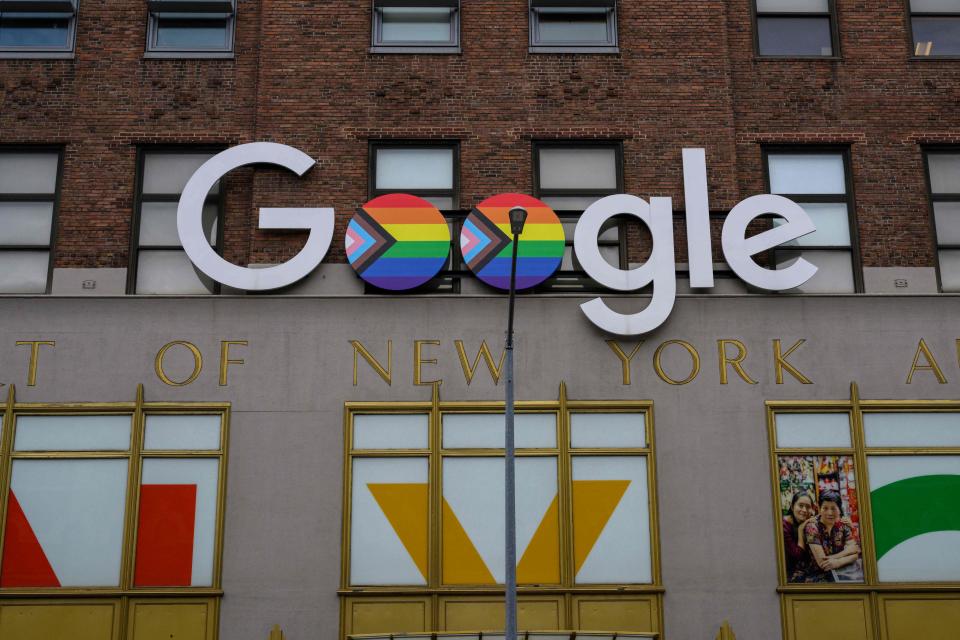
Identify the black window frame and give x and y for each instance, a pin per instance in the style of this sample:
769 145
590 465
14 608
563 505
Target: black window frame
377 45
39 10
50 247
912 36
218 198
188 10
849 197
756 15
448 280
927 151
577 280
536 7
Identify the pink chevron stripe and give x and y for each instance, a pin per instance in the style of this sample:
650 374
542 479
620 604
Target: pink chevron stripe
468 241
354 242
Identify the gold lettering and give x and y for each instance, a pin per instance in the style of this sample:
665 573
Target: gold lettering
780 362
34 357
736 362
624 358
386 374
225 360
470 371
931 365
694 356
197 363
418 362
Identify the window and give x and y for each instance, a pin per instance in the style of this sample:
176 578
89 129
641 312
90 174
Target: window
576 26
118 500
429 170
796 28
37 28
584 515
936 27
158 263
943 172
194 28
873 487
569 177
818 180
29 180
416 26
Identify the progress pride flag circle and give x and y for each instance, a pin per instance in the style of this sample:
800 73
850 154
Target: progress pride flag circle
487 245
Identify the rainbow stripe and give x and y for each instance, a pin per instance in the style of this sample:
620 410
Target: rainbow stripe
397 242
487 246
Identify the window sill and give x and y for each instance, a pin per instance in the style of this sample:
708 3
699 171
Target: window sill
797 58
37 55
600 50
954 58
416 50
189 55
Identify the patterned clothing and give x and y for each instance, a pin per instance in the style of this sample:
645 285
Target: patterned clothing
832 540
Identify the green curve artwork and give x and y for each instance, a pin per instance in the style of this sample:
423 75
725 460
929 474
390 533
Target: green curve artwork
912 507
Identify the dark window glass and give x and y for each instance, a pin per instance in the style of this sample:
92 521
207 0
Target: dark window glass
936 35
795 36
35 32
192 34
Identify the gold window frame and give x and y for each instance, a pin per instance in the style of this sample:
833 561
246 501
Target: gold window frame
126 597
871 598
435 597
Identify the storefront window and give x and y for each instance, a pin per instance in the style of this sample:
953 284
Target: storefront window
425 514
865 494
71 480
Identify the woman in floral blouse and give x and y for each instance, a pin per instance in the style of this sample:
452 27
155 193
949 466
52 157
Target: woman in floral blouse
830 542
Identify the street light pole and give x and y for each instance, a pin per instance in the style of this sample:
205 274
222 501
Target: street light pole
518 216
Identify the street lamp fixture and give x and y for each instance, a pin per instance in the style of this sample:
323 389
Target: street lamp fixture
518 216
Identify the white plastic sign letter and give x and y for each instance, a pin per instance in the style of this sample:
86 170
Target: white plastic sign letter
739 249
659 269
190 220
698 218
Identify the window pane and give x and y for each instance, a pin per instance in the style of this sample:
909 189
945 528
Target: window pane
185 433
28 173
163 272
189 34
913 503
578 168
473 517
936 6
794 36
399 431
575 28
411 169
569 203
611 520
167 173
607 430
912 429
47 33
24 271
807 173
389 520
944 172
443 203
814 477
950 271
416 24
177 522
833 227
793 6
26 223
947 217
70 513
486 430
834 274
72 433
158 224
812 430
936 36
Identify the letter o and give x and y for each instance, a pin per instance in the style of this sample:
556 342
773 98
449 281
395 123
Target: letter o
197 363
694 356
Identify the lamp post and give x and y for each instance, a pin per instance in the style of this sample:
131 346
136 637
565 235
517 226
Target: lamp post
518 216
